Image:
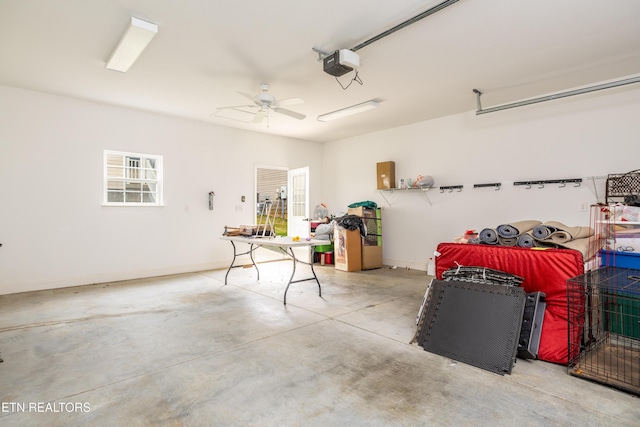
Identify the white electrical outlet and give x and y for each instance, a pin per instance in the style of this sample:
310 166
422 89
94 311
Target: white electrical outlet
583 207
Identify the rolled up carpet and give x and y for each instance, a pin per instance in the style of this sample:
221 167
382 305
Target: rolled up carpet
572 232
559 233
525 240
507 241
588 247
544 244
542 231
489 236
515 229
559 237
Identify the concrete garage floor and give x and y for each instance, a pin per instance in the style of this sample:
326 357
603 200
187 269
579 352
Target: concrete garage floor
187 350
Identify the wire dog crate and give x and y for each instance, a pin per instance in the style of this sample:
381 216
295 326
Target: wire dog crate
604 317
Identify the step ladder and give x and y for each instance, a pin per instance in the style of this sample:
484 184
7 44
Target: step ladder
269 219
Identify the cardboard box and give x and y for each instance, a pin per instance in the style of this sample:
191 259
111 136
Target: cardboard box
255 230
347 249
371 257
386 175
364 212
372 240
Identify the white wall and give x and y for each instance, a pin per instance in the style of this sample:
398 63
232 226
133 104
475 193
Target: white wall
584 136
55 231
53 227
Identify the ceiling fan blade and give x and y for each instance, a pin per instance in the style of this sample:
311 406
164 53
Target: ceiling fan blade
290 101
289 113
232 107
234 114
259 116
251 97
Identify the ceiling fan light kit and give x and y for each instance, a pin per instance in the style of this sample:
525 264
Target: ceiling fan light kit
133 42
354 109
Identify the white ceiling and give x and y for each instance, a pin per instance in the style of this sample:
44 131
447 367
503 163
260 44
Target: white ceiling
207 50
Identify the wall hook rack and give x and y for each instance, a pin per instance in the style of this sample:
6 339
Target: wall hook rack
496 185
541 183
451 188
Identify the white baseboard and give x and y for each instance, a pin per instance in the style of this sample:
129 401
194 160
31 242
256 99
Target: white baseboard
422 266
13 288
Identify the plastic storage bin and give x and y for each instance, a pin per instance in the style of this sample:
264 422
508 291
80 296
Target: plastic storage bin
620 259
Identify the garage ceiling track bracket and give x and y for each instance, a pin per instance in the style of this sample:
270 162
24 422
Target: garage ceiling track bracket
581 91
323 54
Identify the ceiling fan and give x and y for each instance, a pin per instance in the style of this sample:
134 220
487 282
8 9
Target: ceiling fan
263 103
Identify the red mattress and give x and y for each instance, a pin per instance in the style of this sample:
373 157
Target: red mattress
543 271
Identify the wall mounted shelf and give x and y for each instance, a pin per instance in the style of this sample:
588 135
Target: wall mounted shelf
409 189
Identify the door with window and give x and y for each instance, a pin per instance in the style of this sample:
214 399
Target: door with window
298 200
298 207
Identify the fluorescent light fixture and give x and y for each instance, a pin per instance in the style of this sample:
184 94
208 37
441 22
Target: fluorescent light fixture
354 109
133 42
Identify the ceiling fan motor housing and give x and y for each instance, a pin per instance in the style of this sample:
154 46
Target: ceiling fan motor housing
265 98
266 102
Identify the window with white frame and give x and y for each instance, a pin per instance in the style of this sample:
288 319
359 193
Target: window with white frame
132 179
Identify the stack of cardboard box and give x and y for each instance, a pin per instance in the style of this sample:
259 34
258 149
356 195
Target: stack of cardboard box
354 252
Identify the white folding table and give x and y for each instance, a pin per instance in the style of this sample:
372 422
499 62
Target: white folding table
284 245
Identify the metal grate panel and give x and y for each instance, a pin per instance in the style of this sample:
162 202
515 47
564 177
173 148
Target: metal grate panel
474 323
